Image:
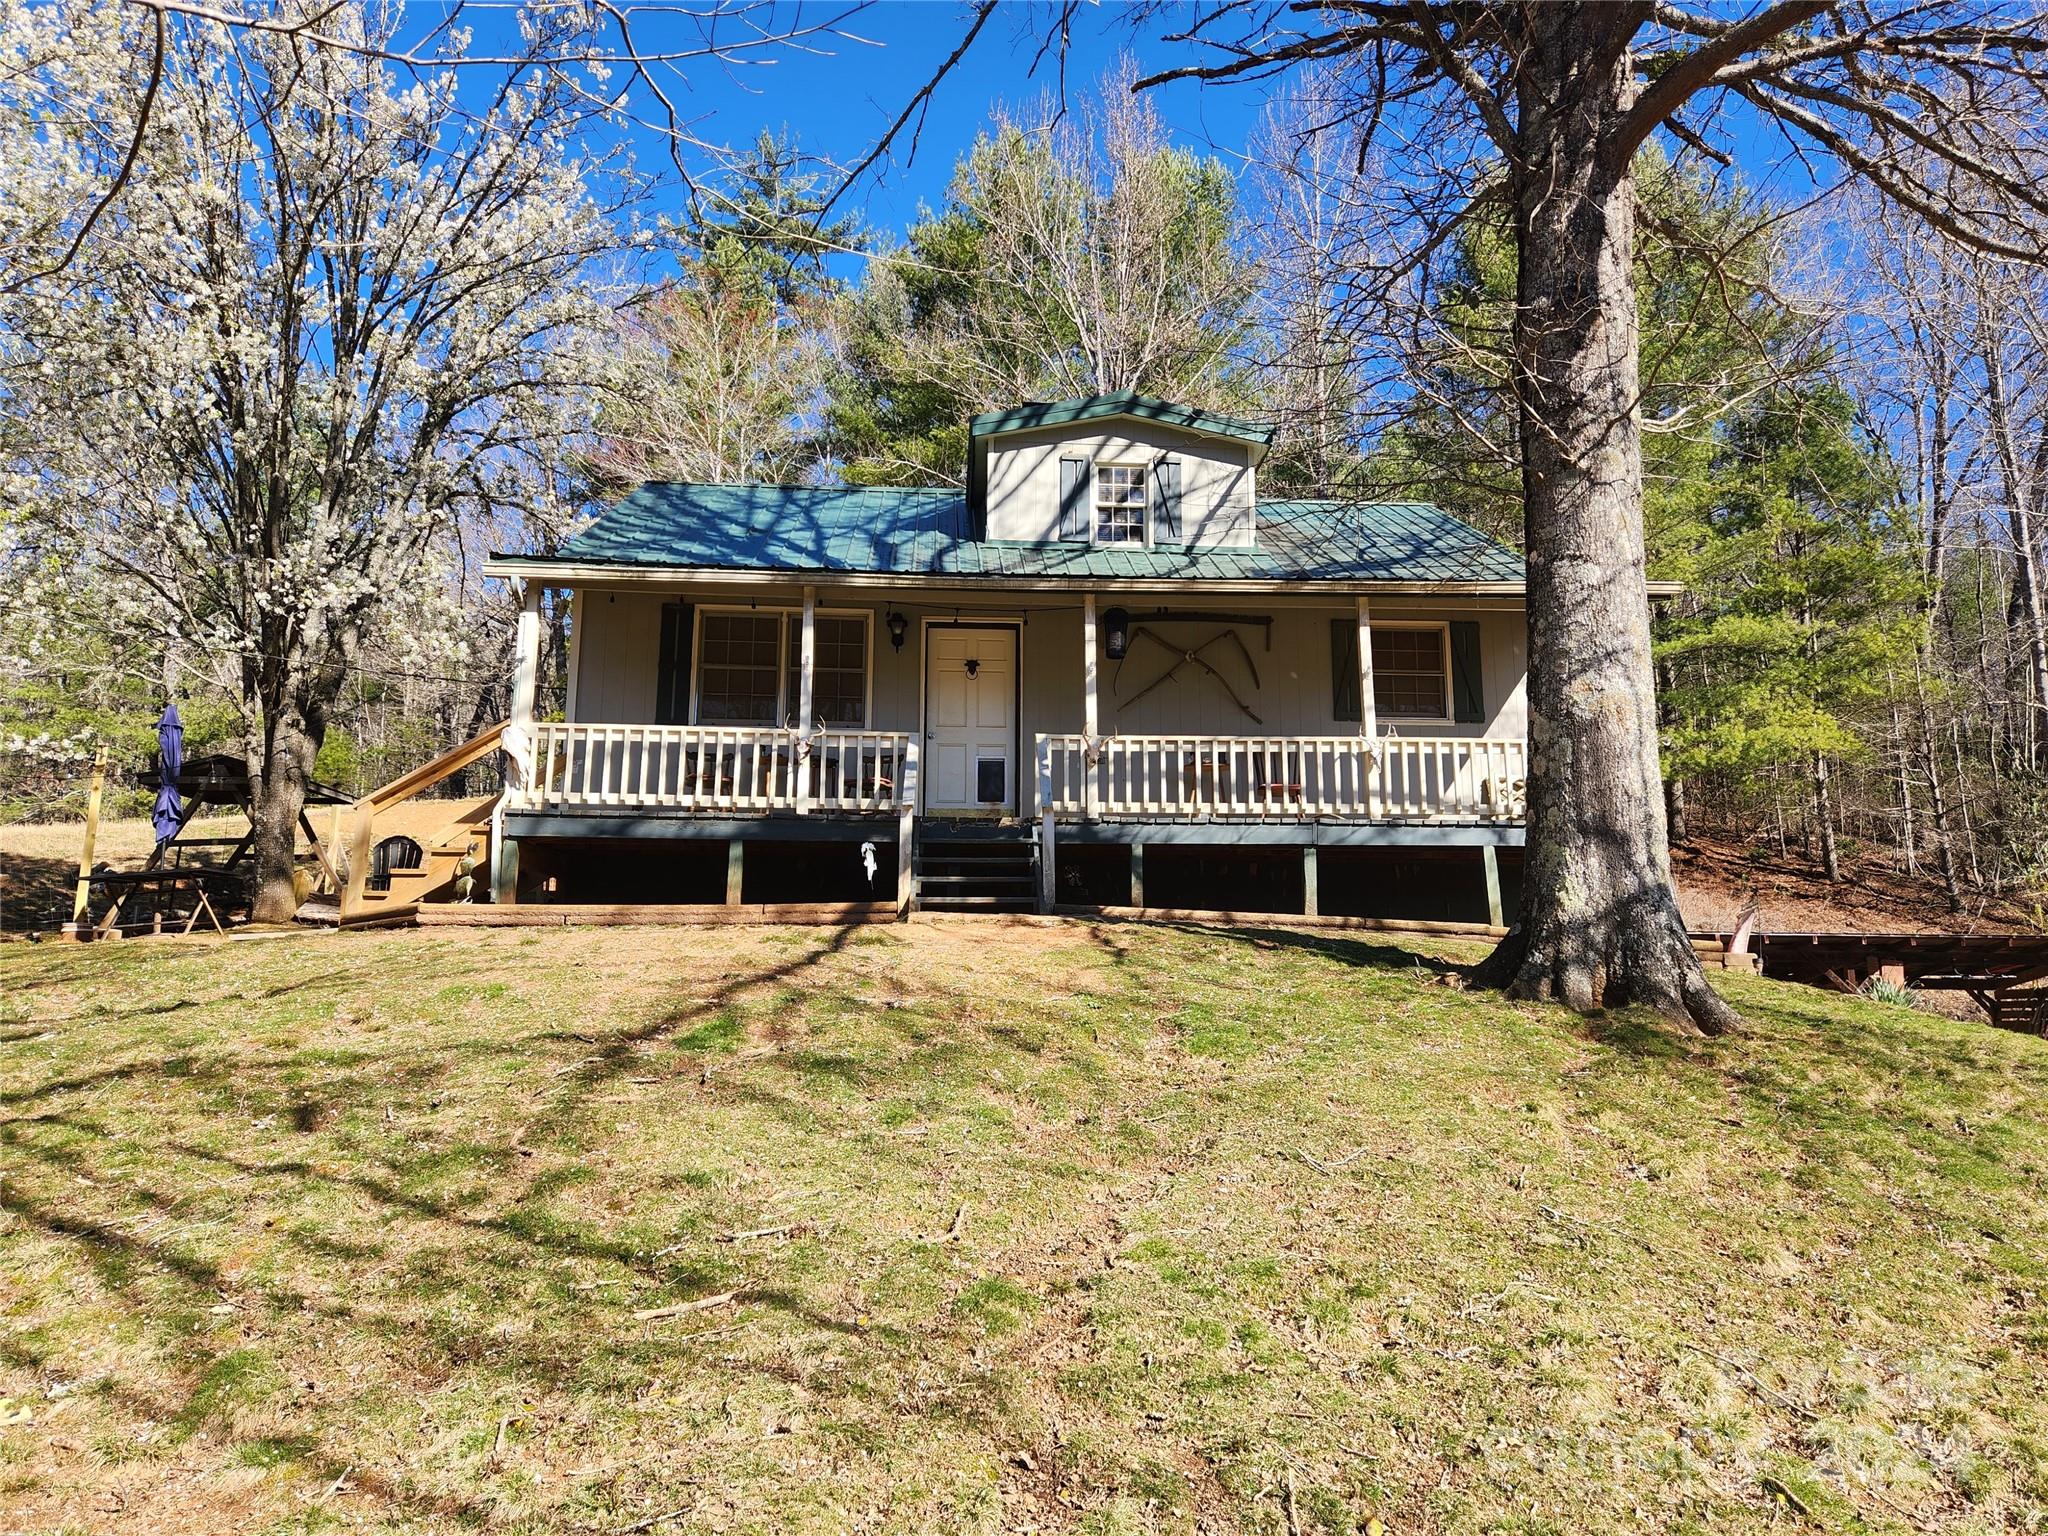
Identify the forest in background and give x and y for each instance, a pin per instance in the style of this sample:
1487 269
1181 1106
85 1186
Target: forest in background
1846 442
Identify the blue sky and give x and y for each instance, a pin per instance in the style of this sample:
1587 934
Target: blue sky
839 101
835 94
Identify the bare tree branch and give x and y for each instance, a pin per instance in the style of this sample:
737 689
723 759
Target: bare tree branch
917 106
1688 73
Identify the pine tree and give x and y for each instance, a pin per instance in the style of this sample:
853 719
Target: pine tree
1803 604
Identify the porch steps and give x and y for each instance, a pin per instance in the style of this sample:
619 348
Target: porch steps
986 870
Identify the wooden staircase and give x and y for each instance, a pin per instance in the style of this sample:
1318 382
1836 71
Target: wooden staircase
975 869
453 837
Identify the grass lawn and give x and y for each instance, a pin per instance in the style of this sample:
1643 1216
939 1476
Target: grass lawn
954 1227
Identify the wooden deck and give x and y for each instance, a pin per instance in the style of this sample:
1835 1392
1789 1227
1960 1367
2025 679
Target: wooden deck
1993 968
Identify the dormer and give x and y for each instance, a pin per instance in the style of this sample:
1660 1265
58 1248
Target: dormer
1115 471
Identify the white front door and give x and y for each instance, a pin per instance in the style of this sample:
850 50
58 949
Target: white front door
970 718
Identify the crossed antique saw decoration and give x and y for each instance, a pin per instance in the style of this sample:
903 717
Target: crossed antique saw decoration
1191 656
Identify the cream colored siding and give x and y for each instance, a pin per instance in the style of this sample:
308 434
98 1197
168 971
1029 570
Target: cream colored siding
1217 480
618 657
1293 695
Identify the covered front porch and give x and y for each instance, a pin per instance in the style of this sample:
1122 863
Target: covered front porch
757 709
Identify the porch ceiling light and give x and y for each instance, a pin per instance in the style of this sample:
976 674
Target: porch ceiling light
1116 631
899 626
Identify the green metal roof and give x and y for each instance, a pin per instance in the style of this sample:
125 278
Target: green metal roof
810 529
1126 402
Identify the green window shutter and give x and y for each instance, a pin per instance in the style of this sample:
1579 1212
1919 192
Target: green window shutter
1166 487
1074 499
672 680
1468 686
1344 703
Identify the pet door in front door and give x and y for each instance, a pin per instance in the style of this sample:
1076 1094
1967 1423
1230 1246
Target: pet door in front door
970 718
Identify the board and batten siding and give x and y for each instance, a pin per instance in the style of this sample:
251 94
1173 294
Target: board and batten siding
618 660
618 657
1218 489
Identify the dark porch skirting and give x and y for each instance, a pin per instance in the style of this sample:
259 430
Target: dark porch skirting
1380 871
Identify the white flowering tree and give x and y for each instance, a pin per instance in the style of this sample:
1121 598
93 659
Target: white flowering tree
323 321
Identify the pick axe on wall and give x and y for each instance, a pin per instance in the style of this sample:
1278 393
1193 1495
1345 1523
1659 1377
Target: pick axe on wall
1192 656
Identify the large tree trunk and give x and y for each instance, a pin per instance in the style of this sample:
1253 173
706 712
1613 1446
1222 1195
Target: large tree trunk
281 754
1599 922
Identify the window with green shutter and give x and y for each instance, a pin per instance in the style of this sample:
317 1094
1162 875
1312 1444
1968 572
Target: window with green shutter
1344 703
672 678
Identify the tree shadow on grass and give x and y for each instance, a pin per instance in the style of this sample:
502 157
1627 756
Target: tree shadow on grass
1640 1033
620 1050
113 1222
35 893
1364 954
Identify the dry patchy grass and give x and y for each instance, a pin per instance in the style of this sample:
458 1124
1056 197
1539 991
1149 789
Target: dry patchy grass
1089 1228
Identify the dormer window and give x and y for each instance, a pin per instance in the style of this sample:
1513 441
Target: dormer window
1120 504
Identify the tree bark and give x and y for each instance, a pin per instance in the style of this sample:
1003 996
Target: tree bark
2023 485
1944 838
1675 809
1824 820
1599 923
1909 824
281 754
1674 784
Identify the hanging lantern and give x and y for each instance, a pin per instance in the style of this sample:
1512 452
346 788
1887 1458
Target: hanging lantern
1116 631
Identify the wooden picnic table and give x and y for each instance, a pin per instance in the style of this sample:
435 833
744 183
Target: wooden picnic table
167 878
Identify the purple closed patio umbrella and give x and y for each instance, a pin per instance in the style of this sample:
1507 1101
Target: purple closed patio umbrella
170 757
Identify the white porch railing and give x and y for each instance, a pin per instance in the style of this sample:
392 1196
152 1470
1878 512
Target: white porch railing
579 765
1387 778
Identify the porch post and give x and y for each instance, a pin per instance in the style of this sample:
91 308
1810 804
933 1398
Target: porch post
906 827
1138 875
518 746
1091 718
1311 896
735 871
1048 881
525 679
517 742
575 651
1490 866
504 862
1368 712
807 669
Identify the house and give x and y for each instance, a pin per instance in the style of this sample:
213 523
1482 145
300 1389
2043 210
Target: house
1105 673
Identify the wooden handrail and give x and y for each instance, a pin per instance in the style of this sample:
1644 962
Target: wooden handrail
1264 777
714 767
453 761
363 814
